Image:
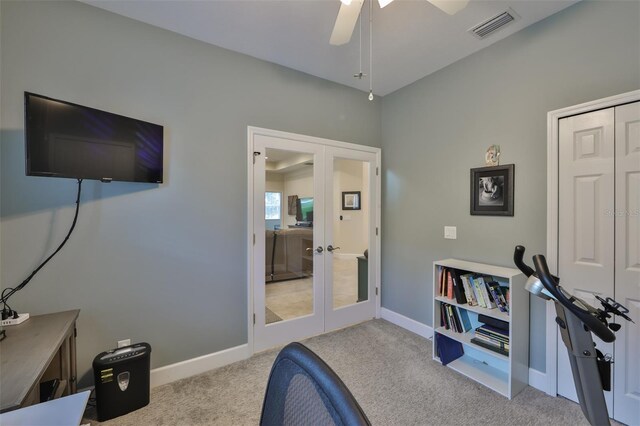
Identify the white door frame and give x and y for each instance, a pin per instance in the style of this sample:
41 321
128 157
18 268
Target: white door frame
252 131
552 215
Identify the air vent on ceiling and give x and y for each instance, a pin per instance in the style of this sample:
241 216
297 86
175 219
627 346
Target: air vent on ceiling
491 25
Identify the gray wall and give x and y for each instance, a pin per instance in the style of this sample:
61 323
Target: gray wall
164 264
436 129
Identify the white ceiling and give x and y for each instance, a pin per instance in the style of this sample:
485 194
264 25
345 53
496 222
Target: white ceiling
411 38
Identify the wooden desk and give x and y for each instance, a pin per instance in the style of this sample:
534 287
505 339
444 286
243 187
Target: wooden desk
40 349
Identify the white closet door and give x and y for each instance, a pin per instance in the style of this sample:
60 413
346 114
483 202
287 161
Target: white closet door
627 264
586 231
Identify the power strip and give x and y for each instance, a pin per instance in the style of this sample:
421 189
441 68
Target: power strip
15 321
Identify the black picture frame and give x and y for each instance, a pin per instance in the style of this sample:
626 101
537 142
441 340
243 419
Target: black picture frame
351 200
492 190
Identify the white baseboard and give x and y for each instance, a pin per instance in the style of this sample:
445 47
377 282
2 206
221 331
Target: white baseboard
537 379
190 367
407 323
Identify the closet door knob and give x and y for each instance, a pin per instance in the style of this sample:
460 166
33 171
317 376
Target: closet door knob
332 248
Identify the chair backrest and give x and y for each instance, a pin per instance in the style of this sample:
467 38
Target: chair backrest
304 390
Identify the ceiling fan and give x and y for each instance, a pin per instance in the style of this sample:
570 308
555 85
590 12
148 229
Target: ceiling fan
350 10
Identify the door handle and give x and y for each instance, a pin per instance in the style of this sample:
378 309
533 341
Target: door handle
319 249
331 248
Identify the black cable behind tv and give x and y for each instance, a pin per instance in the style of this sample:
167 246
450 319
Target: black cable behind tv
7 312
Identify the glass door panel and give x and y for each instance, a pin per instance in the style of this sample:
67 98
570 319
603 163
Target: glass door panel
350 229
288 235
288 252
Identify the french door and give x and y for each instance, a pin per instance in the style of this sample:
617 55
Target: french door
315 214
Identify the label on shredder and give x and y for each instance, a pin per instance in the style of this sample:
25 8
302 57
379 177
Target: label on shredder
106 375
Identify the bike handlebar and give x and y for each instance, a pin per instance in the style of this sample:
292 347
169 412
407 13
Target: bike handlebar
518 254
598 328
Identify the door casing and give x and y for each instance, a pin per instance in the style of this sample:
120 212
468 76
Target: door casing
252 131
553 118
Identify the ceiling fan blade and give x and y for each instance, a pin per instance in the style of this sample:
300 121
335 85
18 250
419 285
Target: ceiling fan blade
450 6
345 22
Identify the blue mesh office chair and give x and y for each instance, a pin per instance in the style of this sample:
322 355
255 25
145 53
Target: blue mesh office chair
304 390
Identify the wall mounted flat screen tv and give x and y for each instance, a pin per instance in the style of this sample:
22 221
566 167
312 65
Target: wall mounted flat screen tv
73 141
304 210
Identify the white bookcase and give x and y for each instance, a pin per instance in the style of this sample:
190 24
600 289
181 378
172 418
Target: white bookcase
507 375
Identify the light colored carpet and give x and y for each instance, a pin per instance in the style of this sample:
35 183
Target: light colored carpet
388 369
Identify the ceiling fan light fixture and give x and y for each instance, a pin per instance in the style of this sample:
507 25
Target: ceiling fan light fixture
450 6
345 22
383 3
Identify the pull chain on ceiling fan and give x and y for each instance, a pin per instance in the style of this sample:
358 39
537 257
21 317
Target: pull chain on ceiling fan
371 49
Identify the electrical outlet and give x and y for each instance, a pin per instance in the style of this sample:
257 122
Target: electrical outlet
450 232
125 342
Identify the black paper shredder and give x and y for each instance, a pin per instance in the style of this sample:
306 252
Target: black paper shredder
122 380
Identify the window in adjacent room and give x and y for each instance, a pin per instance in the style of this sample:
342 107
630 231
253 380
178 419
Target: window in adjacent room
272 205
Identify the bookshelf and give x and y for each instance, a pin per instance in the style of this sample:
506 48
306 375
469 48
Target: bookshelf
506 374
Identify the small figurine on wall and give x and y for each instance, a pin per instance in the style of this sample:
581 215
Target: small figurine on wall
492 157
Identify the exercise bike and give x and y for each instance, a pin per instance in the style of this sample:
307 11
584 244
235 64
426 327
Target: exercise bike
577 320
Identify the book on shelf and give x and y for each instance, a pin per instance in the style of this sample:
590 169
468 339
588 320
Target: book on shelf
458 289
452 322
498 296
493 334
454 318
489 346
443 318
451 285
464 320
493 341
446 318
488 299
475 285
492 338
472 300
494 331
442 281
494 322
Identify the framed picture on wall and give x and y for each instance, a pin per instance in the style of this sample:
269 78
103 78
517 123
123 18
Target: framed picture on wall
492 190
351 200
